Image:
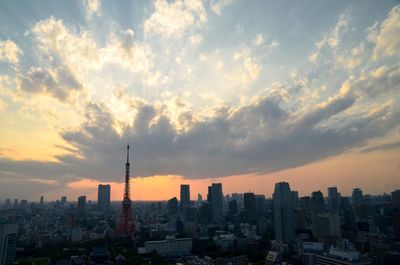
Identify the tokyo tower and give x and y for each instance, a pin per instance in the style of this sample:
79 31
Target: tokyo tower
126 225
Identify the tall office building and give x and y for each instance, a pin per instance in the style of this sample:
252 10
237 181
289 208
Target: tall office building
41 200
318 202
81 203
333 200
217 202
357 196
283 213
103 197
185 196
63 201
249 206
232 207
209 194
8 243
173 207
260 204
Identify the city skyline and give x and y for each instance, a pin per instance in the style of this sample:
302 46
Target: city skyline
246 94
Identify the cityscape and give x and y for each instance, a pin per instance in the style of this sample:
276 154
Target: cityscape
199 132
238 228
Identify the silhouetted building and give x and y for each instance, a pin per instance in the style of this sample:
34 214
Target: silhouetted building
8 243
173 207
249 201
232 207
283 213
260 205
103 197
63 201
396 196
217 202
185 196
333 200
209 194
82 203
357 196
206 212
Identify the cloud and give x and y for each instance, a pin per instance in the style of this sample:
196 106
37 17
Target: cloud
381 80
173 19
332 39
44 181
259 40
92 6
259 138
354 59
59 83
57 44
387 39
382 147
9 51
218 5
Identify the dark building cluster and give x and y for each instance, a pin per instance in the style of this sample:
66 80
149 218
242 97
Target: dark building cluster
222 229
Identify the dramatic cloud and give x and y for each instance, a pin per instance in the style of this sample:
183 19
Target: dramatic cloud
200 89
258 138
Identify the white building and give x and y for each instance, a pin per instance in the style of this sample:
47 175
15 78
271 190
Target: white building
171 247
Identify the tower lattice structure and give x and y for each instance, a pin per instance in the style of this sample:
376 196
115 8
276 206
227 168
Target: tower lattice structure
126 225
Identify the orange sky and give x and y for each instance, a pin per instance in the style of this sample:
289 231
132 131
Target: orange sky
375 173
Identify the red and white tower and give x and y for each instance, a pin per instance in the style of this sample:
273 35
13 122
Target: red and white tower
126 225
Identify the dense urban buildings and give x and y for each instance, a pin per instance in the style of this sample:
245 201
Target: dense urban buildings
239 228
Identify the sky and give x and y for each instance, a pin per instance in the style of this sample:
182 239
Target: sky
245 93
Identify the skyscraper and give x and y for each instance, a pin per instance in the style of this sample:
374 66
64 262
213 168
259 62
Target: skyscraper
81 203
103 197
283 213
209 194
333 200
173 207
41 200
185 196
8 243
217 202
126 225
249 206
357 196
